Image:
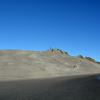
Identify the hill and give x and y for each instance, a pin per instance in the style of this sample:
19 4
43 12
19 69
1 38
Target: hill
19 64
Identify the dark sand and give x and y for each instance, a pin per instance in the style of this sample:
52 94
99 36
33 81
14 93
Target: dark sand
63 88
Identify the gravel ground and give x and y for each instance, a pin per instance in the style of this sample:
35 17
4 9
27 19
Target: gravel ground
62 88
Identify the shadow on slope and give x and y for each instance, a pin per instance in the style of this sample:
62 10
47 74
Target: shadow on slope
63 88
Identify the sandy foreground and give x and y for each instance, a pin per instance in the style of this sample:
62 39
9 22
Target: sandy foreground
61 88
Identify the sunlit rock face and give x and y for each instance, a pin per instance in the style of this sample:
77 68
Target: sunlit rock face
17 64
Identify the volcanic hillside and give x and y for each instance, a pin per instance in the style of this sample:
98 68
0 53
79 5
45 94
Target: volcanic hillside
17 64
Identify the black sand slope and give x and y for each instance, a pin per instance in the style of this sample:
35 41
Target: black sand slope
63 88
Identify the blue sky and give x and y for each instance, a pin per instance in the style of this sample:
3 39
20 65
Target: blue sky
71 25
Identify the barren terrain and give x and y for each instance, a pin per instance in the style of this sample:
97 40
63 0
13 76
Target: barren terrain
19 65
47 75
62 88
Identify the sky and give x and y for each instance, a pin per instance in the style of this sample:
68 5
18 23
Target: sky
70 25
